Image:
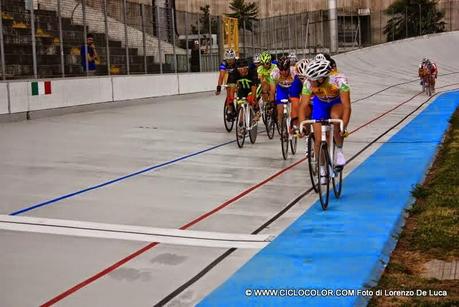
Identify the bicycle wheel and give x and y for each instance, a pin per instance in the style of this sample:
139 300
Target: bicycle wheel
228 118
253 127
312 163
324 189
337 180
241 128
269 124
284 138
262 106
429 90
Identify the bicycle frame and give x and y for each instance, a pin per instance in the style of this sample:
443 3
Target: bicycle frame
243 103
287 114
326 126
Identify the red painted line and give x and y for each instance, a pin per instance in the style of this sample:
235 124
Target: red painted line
151 245
197 220
98 275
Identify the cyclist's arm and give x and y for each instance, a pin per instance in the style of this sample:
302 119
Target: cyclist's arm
221 76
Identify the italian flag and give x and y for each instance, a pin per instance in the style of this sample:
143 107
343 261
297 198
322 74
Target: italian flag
41 88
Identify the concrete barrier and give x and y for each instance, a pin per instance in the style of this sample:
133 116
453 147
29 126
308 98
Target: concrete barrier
4 98
64 93
194 83
135 87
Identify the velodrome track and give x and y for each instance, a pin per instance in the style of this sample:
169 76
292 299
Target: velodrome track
169 165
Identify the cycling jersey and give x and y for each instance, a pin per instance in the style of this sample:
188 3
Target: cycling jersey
265 73
227 66
433 69
330 89
326 95
245 83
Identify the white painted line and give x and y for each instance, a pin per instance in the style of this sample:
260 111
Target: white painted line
132 233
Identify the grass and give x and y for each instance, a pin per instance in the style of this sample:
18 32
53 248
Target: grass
431 232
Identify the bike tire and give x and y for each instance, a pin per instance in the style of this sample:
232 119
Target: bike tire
324 189
337 180
241 128
284 138
253 127
312 163
269 124
229 123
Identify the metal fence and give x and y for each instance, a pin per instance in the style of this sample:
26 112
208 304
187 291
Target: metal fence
48 38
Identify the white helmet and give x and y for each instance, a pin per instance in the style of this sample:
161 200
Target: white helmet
318 69
302 67
292 57
320 57
230 54
256 58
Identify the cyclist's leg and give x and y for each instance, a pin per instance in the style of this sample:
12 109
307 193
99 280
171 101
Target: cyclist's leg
281 93
337 112
230 92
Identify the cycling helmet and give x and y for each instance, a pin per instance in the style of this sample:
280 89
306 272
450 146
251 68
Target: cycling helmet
256 58
284 63
242 63
320 57
230 54
302 66
292 57
265 58
318 69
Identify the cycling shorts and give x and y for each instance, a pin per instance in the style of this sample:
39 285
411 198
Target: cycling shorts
321 109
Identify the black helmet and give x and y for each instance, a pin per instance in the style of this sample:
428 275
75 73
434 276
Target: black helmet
242 63
284 63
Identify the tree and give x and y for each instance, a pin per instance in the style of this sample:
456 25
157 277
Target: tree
204 22
244 12
413 17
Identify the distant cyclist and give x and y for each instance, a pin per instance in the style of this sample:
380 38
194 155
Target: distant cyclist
331 99
228 66
286 86
247 82
326 56
428 67
264 74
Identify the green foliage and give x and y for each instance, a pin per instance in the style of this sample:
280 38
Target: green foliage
410 18
244 12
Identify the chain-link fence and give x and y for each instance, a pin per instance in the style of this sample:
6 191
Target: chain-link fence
65 38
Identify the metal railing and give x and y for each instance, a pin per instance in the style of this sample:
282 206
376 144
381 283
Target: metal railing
47 38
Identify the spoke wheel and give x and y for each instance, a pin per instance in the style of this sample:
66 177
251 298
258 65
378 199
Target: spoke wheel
312 163
241 128
228 118
284 138
324 189
253 127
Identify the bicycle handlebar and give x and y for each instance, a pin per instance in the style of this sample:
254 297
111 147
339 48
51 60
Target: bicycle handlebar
323 122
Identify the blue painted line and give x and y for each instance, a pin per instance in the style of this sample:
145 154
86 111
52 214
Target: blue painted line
57 199
347 246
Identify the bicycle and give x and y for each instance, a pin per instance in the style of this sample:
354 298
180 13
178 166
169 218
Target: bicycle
245 122
229 117
325 156
427 83
286 131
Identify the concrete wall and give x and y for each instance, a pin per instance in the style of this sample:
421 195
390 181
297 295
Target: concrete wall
189 84
86 91
3 98
134 87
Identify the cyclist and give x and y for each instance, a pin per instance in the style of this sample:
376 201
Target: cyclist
304 109
264 74
247 82
286 87
293 58
326 56
427 67
331 100
228 66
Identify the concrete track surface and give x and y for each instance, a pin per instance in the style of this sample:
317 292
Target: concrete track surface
83 194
